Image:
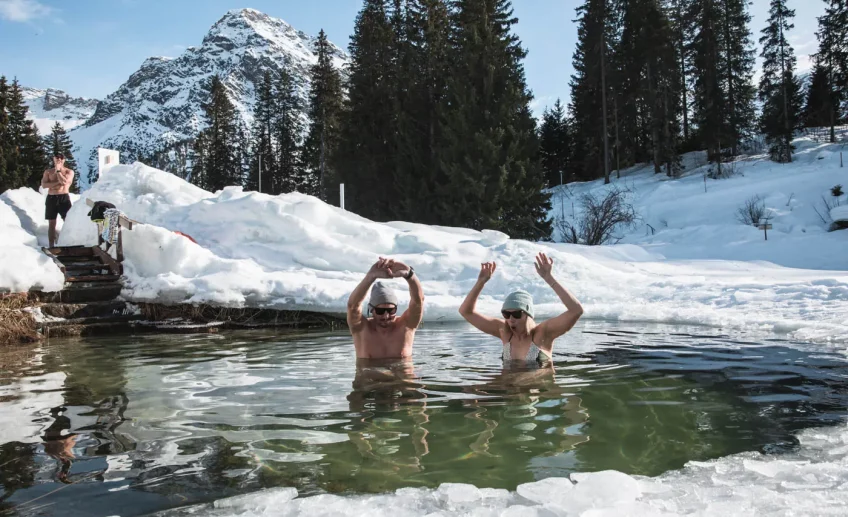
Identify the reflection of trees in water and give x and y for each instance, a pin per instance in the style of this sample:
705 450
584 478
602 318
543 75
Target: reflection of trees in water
95 384
673 405
410 432
17 469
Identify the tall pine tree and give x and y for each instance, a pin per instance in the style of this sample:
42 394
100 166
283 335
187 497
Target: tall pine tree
325 106
58 141
263 133
703 51
493 178
6 181
780 92
26 158
289 174
366 153
738 68
647 86
218 163
555 145
819 110
589 89
421 53
832 58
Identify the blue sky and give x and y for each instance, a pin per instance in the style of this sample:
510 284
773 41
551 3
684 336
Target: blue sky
90 47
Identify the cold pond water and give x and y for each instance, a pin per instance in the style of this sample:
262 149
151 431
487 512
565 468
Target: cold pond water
134 425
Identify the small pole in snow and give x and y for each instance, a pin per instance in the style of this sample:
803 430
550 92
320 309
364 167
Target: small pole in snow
765 228
341 195
705 182
840 159
260 173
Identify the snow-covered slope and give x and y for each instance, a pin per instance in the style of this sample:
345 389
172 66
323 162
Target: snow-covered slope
678 219
46 107
161 102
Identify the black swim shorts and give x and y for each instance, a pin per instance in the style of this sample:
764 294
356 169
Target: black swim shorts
57 204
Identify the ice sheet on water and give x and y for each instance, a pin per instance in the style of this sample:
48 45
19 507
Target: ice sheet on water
809 481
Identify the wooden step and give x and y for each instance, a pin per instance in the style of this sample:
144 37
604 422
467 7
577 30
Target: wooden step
69 251
88 265
92 278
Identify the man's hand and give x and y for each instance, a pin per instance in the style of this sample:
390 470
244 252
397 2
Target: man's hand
544 266
380 269
487 269
388 268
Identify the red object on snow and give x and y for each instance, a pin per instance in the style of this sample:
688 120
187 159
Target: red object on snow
186 236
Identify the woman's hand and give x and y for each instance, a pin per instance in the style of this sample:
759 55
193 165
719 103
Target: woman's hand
544 266
487 269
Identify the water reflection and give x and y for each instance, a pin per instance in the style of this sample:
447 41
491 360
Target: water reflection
149 423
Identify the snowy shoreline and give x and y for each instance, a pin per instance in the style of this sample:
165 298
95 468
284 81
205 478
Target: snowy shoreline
295 252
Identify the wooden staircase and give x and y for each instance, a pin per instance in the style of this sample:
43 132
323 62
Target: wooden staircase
91 275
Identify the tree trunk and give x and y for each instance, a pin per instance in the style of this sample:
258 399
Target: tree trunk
655 137
787 157
604 105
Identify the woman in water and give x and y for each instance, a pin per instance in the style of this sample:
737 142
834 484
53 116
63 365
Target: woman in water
523 339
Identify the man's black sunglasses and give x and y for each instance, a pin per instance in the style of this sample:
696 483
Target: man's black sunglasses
383 310
515 314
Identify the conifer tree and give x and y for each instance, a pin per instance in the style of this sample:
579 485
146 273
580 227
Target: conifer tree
289 174
647 85
366 153
589 89
738 68
263 133
325 105
779 92
220 162
58 141
421 54
6 181
833 58
819 111
555 145
26 158
493 178
704 53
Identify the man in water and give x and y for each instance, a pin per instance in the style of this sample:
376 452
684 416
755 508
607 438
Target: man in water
385 335
58 181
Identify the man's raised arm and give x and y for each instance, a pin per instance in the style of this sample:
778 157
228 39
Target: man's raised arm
416 300
354 303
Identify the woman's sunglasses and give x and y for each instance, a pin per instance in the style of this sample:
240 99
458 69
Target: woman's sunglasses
383 310
514 314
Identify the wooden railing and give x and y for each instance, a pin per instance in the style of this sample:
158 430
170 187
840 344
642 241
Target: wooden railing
124 222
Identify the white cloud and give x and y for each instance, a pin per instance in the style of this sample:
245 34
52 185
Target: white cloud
23 10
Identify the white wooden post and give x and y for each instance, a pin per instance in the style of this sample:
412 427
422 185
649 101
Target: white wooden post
341 195
106 158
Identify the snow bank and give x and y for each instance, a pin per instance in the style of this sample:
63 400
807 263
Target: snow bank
293 251
22 264
840 213
679 220
811 481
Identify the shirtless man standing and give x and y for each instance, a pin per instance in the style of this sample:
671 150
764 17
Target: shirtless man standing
58 181
385 335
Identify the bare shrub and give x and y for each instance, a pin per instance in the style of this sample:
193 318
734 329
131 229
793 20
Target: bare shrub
752 211
824 211
600 219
